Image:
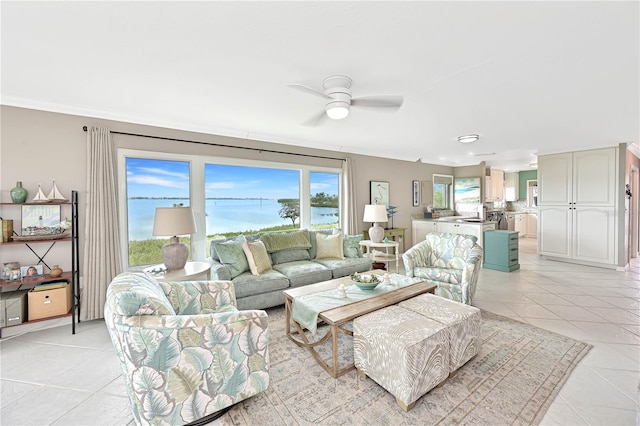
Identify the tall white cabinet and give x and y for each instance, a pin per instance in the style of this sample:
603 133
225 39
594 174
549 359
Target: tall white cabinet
577 198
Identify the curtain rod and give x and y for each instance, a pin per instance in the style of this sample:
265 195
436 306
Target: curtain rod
222 145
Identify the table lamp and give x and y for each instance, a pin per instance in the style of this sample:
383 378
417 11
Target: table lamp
375 213
171 222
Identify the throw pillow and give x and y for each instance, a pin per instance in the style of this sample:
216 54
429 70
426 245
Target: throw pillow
232 256
329 246
287 240
351 245
257 257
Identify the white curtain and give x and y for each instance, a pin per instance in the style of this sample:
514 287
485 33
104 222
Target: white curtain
348 214
101 244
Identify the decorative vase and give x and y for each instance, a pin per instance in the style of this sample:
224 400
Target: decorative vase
55 271
19 194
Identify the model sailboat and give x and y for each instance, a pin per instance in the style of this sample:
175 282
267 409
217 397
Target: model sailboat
54 194
40 197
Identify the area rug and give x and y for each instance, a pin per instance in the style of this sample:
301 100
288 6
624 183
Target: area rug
513 380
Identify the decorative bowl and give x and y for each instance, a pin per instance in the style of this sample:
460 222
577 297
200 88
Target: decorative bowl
366 281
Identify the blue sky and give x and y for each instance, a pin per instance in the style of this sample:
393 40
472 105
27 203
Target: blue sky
162 178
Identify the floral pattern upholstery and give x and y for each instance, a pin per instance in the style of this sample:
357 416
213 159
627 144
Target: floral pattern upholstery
185 350
450 261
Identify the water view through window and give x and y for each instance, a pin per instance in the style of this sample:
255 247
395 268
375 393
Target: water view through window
249 199
238 199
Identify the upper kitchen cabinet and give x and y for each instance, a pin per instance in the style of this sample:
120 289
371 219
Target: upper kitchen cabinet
582 178
511 186
494 186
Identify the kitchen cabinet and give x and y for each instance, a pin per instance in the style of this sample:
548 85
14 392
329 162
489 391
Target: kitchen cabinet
576 205
494 186
511 186
526 224
420 228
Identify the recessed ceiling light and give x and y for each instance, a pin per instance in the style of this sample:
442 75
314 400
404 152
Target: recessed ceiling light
468 138
485 154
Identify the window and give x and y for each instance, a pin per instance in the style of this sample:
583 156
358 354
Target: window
228 197
442 192
152 183
325 205
243 199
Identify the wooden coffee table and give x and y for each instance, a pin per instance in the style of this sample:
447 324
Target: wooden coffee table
337 317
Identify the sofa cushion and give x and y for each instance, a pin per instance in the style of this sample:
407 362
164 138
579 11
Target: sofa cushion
347 266
439 274
329 246
247 284
289 240
137 294
257 257
303 272
232 256
284 256
351 246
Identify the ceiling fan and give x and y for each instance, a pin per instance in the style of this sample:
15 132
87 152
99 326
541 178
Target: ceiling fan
337 93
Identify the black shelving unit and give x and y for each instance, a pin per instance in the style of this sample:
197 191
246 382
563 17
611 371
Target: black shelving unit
73 275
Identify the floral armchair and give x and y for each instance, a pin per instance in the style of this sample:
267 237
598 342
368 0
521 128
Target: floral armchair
451 261
185 350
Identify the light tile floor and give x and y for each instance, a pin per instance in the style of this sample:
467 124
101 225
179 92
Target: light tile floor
50 377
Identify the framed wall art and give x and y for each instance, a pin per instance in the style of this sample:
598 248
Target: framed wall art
467 190
416 193
379 192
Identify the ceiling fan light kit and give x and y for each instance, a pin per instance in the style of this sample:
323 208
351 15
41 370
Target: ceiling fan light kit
337 92
337 110
468 138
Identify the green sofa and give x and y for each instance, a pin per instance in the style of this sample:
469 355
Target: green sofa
283 260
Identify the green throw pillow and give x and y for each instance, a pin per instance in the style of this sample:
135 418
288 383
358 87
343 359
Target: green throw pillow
232 256
351 246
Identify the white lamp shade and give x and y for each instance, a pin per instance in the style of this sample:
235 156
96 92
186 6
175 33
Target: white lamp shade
375 213
173 221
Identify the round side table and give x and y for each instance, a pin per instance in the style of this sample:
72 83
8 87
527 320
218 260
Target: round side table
190 271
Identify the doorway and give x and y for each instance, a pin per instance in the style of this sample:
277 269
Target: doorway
632 196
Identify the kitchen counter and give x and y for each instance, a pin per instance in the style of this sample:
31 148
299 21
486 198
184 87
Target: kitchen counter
458 219
451 224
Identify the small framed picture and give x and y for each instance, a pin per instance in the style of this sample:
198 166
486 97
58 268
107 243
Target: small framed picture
31 271
40 219
416 193
379 192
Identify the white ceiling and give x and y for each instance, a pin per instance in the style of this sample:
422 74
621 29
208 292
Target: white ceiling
528 77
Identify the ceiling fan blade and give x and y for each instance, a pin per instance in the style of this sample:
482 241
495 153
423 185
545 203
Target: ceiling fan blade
310 90
316 120
384 101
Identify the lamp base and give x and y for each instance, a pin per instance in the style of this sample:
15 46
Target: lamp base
376 233
174 254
